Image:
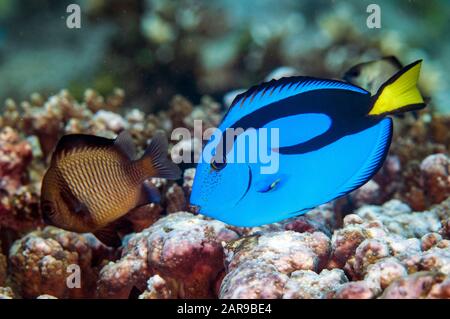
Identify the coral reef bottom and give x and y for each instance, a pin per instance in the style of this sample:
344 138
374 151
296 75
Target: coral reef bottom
388 239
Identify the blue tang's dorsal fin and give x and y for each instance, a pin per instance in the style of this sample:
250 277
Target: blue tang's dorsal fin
269 92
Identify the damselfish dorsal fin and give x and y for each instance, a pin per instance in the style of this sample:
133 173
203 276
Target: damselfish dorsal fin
125 144
394 61
276 90
71 142
399 93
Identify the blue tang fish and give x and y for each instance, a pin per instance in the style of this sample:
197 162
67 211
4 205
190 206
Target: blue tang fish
332 137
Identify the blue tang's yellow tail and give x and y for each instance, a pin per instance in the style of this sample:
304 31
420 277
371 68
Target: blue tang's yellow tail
399 93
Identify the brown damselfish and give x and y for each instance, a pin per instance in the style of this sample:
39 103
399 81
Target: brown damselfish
93 182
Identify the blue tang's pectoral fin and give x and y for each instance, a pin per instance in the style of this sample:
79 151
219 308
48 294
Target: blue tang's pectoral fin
373 162
270 183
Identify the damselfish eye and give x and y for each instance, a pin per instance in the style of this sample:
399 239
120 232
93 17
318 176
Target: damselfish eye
353 73
47 212
47 208
218 165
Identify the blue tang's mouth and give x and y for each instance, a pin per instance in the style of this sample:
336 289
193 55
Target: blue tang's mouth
201 209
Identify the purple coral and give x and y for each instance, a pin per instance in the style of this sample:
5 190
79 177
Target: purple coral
39 264
158 288
307 284
15 155
419 285
436 177
184 249
259 266
176 199
354 290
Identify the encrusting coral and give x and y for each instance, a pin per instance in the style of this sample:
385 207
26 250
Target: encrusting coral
374 253
436 177
307 284
15 156
183 249
419 285
176 199
158 288
259 266
398 218
39 264
18 199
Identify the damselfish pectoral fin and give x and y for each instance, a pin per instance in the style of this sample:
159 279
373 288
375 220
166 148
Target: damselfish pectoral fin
149 194
110 234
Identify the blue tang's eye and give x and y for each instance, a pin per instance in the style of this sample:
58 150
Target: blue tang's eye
218 165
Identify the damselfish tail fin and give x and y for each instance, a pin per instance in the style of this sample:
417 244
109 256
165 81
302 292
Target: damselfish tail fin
399 93
155 162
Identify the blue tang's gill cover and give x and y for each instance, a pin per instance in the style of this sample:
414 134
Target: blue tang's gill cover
328 145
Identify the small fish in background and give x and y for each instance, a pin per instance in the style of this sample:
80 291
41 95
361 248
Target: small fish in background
281 72
333 137
371 75
93 182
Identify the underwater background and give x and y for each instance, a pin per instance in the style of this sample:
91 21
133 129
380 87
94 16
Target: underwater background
148 65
